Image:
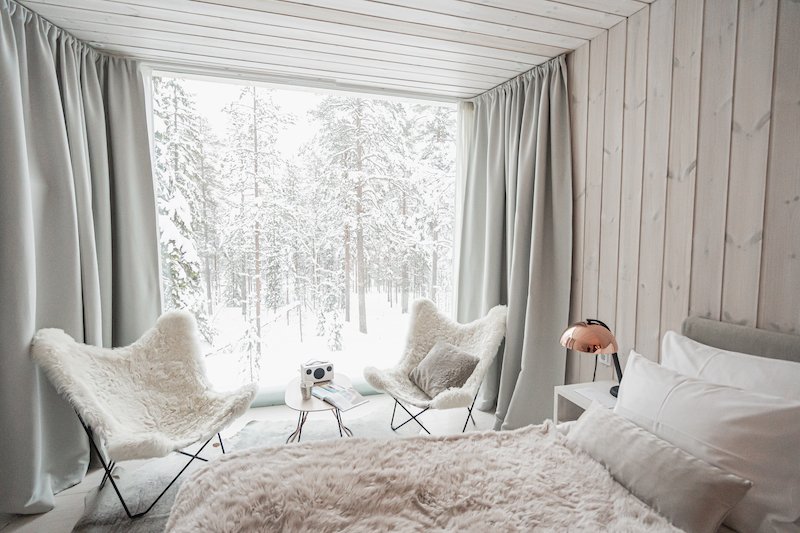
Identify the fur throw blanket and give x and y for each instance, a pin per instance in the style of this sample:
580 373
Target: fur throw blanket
522 480
427 325
144 400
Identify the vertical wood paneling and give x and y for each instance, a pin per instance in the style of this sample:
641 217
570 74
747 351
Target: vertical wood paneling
780 271
654 177
598 48
594 173
632 160
713 152
578 78
682 164
700 162
752 106
612 174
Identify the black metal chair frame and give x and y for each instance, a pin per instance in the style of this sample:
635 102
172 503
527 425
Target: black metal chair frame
415 419
108 468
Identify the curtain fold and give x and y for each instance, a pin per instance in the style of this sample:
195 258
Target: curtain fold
77 233
514 234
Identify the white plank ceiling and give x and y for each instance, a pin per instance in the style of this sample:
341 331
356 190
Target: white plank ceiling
442 49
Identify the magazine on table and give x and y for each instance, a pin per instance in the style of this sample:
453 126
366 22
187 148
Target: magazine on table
341 397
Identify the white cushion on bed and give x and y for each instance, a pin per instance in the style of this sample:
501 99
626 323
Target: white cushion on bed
743 371
750 434
692 494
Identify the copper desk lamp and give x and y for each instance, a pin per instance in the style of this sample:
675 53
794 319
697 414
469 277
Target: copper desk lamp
593 336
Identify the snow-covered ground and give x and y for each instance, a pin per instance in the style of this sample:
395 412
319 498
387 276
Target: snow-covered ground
283 351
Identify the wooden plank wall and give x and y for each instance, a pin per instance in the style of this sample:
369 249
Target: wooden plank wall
686 149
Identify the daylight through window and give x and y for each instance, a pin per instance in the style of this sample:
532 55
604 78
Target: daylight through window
298 225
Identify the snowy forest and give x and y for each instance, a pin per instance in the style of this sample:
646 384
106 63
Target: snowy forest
283 256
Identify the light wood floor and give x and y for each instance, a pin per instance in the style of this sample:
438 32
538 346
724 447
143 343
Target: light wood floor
69 503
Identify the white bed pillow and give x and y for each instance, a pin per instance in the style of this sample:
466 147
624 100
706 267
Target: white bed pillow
753 435
743 371
692 494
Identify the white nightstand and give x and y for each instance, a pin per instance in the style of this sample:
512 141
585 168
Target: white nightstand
569 401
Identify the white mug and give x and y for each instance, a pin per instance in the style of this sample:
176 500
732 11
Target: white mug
305 390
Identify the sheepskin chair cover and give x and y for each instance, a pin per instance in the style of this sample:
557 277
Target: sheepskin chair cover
480 338
144 400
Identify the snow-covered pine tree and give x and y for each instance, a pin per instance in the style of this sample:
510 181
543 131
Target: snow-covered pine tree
400 228
252 158
209 245
314 226
356 134
436 144
335 343
249 358
178 149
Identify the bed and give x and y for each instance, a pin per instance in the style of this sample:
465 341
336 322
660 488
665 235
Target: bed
534 478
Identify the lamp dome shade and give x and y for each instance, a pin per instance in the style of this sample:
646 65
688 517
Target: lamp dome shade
589 338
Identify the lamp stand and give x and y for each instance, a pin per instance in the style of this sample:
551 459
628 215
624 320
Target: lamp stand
615 389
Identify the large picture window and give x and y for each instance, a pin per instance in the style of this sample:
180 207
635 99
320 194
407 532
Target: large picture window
298 225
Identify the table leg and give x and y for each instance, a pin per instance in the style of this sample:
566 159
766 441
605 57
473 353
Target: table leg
343 430
301 420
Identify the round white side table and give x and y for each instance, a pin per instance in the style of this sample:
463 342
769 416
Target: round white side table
294 400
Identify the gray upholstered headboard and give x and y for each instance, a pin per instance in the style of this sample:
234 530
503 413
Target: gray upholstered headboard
743 339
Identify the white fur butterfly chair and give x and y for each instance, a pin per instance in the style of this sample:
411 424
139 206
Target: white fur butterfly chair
480 338
141 401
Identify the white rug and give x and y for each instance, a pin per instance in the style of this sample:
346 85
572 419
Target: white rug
319 426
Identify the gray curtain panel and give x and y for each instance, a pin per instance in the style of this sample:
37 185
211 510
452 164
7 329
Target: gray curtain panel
514 240
77 234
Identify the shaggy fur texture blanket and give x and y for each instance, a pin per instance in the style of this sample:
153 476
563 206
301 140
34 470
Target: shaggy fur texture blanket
147 399
427 326
521 480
